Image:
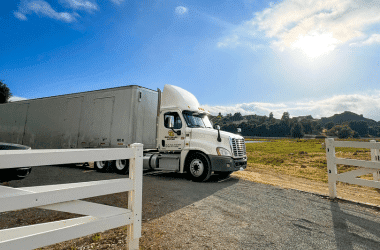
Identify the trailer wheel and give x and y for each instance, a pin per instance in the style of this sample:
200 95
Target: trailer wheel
102 166
11 174
121 166
22 173
198 167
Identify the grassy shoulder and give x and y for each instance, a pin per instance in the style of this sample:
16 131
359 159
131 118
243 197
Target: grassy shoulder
301 165
299 158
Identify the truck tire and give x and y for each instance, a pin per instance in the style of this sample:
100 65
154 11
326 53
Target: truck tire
22 173
102 166
121 166
9 174
198 167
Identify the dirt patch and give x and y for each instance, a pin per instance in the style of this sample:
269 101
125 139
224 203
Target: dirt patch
345 191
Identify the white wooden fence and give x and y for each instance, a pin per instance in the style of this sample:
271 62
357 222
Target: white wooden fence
368 167
65 197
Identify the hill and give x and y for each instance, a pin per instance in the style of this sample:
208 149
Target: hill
346 116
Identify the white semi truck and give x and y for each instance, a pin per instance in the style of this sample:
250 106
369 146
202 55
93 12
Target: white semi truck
176 132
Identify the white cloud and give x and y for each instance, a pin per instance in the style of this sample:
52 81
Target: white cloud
43 8
117 1
368 105
82 4
20 16
16 99
180 10
294 23
373 39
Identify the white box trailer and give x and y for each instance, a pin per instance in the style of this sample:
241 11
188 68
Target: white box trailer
175 131
104 118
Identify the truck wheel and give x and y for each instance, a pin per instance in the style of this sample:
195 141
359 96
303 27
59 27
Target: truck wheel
22 173
102 166
198 167
121 166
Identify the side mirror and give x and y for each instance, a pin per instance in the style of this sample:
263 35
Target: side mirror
239 130
219 139
170 121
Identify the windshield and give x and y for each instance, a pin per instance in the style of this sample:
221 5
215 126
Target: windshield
196 120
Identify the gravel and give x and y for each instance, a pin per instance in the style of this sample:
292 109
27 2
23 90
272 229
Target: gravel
219 214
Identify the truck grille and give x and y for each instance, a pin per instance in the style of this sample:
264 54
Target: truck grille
238 147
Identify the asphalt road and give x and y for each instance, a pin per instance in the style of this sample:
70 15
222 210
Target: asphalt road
240 214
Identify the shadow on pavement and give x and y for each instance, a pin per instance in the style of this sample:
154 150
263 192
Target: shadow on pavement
163 192
346 238
166 192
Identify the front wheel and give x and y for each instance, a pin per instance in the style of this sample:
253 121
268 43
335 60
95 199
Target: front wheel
121 166
102 166
198 167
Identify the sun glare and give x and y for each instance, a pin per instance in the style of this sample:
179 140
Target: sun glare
315 45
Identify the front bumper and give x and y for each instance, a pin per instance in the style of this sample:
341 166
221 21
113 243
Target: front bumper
226 163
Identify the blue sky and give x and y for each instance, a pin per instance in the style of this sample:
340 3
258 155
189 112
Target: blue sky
255 57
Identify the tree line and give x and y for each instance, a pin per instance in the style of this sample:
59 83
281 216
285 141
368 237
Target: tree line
297 127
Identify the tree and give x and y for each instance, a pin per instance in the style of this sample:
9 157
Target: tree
297 130
316 127
237 117
329 125
345 132
5 93
275 130
307 126
271 118
284 128
342 131
285 117
263 119
359 126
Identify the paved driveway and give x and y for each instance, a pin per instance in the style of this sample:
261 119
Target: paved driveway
233 214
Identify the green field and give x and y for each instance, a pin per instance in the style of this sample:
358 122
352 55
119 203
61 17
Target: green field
299 158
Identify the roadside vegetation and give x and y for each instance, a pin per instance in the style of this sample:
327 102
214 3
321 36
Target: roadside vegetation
299 158
344 125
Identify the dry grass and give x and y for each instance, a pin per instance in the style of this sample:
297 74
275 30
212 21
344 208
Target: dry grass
299 158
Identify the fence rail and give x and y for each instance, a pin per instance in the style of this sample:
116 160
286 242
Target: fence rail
65 198
367 167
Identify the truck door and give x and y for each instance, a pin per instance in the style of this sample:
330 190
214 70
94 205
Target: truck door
173 140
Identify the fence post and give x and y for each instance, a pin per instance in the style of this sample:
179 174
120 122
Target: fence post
135 196
375 157
331 166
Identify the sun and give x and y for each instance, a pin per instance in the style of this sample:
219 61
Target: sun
316 44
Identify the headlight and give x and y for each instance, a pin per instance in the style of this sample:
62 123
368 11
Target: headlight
223 151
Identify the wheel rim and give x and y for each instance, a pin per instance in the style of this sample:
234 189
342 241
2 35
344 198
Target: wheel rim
100 164
196 167
121 164
21 173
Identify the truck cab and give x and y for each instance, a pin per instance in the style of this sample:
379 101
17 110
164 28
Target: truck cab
187 139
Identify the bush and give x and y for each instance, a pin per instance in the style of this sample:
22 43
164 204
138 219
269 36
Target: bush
297 131
341 131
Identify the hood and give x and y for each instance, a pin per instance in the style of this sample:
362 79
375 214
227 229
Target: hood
212 134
